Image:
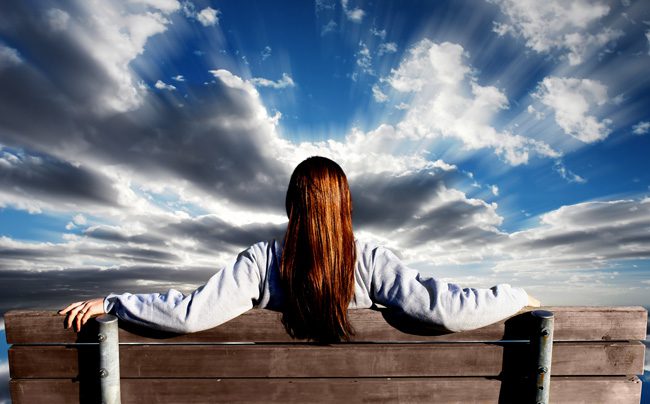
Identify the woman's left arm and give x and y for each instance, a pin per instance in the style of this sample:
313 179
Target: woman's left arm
440 303
229 293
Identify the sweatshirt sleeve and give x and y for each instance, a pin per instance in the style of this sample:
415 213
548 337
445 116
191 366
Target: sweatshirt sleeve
229 293
439 303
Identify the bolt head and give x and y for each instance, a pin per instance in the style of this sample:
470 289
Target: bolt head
103 373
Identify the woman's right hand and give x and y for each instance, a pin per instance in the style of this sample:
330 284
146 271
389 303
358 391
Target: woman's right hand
80 312
532 302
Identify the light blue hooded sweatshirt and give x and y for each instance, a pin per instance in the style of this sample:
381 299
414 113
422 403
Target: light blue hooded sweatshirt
380 278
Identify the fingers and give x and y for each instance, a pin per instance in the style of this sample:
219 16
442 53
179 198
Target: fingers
73 313
93 308
79 316
78 313
70 307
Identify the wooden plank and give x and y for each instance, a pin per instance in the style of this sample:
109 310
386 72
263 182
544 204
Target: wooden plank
343 360
571 324
575 390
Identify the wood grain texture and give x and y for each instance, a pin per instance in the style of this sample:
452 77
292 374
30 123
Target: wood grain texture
575 390
571 324
343 360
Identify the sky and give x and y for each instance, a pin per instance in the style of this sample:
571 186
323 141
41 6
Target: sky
144 143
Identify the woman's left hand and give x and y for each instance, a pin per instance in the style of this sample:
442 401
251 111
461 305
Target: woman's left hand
80 312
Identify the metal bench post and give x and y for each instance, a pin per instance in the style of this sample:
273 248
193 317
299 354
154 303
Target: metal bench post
109 359
542 341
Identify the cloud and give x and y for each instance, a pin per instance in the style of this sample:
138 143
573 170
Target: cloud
9 57
284 82
387 47
97 47
572 102
266 52
364 59
156 140
378 95
567 174
582 236
36 181
375 32
448 101
567 27
641 128
208 16
57 19
329 27
164 86
355 15
179 78
322 5
167 6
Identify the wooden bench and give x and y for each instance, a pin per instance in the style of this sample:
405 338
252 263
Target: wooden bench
596 357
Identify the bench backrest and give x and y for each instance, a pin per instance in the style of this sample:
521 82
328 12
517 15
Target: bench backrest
596 354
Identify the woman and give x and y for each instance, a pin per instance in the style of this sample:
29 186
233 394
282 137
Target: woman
314 277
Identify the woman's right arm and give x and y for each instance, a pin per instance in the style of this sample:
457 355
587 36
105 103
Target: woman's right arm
443 304
229 293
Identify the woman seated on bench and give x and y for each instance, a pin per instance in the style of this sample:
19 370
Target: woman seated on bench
314 276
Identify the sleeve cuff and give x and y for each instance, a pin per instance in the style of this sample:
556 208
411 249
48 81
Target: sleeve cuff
522 296
109 302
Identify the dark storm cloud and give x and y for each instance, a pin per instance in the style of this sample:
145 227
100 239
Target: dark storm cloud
412 208
222 145
388 202
46 178
211 234
452 221
54 289
589 232
52 256
214 234
114 234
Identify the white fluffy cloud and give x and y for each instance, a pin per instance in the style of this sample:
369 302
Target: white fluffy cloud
378 95
386 47
208 16
364 58
569 27
164 86
284 82
448 101
355 15
572 102
641 128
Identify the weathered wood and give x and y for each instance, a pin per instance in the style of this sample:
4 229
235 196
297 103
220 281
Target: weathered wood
571 324
575 390
342 360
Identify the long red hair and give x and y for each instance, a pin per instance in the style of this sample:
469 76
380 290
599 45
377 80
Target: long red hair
319 254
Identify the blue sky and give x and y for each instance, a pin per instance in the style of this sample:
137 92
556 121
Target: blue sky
144 143
485 141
